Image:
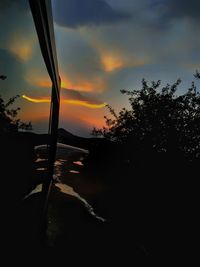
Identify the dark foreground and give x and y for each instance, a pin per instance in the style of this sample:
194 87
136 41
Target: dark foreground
145 221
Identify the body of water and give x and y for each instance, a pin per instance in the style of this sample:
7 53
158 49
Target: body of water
66 156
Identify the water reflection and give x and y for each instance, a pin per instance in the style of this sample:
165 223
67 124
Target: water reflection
65 155
78 163
41 169
73 171
40 160
36 190
68 190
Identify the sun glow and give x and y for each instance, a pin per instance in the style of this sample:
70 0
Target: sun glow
111 63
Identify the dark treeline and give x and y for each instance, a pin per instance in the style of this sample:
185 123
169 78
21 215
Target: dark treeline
150 159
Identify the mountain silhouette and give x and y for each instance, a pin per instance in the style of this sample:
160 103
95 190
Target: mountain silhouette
68 138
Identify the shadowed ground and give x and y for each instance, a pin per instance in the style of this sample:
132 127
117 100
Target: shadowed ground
72 230
145 219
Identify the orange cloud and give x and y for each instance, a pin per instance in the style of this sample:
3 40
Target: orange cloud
93 121
36 78
111 63
43 83
97 85
66 101
84 86
39 114
117 58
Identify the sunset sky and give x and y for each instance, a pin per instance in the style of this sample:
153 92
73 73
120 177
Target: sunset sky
102 46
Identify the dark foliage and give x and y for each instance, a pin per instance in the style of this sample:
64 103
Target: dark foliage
160 120
8 117
156 156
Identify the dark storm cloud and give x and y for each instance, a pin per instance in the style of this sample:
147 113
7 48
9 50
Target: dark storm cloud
184 8
14 17
75 13
159 15
168 11
21 5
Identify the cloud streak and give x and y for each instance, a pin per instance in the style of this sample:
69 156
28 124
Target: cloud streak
66 101
183 9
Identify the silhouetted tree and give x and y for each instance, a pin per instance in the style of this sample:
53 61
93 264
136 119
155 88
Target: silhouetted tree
160 120
8 117
155 158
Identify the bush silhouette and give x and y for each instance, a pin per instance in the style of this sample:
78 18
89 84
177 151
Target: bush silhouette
160 121
9 121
